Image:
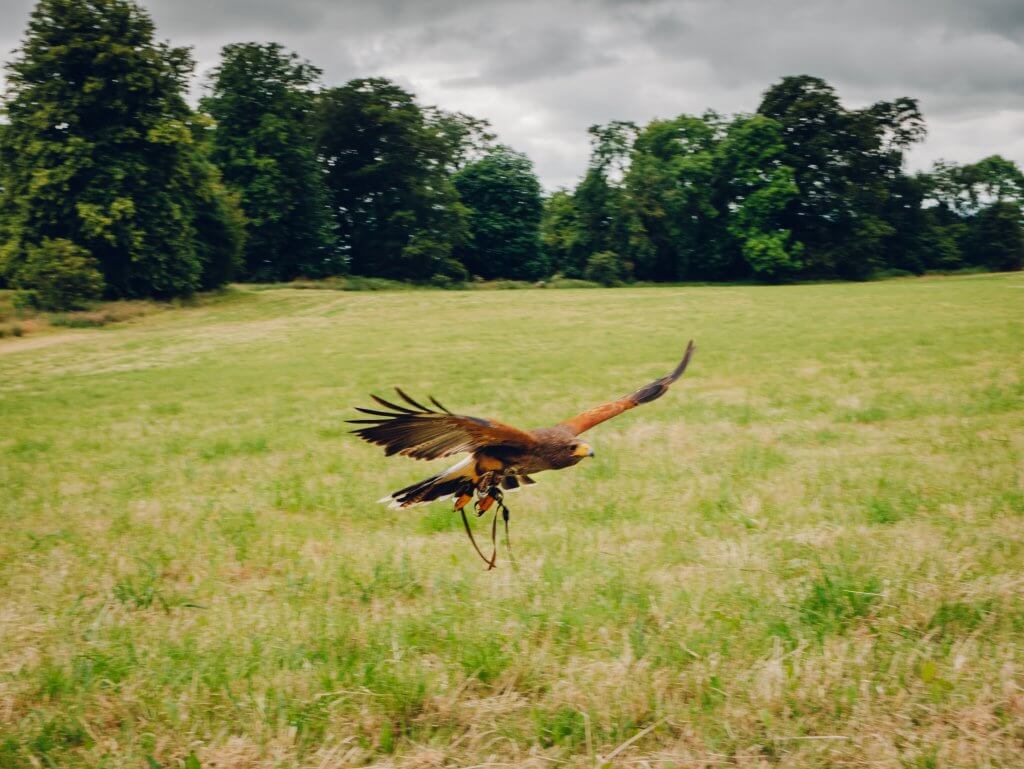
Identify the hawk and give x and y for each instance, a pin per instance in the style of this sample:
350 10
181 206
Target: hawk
501 457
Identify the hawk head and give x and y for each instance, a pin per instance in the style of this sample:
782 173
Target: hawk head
569 452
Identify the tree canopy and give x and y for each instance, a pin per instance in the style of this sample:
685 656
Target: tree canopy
103 153
503 198
803 188
387 164
262 103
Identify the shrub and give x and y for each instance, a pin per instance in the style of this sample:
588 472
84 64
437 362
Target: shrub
25 299
440 280
605 268
501 285
570 283
61 275
427 257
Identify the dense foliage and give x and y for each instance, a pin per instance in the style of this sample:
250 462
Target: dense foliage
503 198
803 188
263 143
103 155
105 170
59 275
388 170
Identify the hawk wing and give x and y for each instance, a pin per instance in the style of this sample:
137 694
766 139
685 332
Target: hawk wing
425 433
645 394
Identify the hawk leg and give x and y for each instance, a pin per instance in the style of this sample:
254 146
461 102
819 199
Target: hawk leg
482 505
472 539
505 516
496 496
485 501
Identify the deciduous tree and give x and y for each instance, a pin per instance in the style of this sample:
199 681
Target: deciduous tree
671 182
101 152
757 189
844 162
261 101
502 195
561 234
387 172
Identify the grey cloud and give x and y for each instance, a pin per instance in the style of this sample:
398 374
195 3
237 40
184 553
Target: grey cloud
238 16
548 54
543 70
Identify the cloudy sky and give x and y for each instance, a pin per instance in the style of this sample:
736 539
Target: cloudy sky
542 72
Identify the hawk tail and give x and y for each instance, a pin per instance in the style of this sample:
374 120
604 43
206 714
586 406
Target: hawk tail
457 479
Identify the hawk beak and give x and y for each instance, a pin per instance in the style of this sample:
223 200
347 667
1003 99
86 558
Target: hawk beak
583 450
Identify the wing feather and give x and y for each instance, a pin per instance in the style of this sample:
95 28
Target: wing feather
410 401
424 433
649 392
437 403
390 405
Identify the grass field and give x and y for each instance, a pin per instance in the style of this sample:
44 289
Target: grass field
810 553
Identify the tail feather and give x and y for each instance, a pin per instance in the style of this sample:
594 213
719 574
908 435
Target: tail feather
456 480
427 491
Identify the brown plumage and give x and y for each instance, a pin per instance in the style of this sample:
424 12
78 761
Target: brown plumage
501 457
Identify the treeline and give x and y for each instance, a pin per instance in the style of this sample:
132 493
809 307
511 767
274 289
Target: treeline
801 189
112 185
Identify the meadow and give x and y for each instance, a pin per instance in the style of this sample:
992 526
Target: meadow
809 553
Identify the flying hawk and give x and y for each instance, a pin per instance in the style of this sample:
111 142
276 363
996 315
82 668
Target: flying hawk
501 457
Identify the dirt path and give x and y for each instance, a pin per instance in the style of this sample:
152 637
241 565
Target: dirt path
36 342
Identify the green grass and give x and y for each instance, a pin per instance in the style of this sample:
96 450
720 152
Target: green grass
808 554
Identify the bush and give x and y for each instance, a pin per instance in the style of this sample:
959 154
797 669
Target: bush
425 257
441 280
25 299
771 256
60 274
570 283
605 268
500 285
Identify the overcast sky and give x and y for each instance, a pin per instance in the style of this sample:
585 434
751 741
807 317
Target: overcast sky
543 71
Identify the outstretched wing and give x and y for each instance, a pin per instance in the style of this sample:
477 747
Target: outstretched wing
426 433
645 394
